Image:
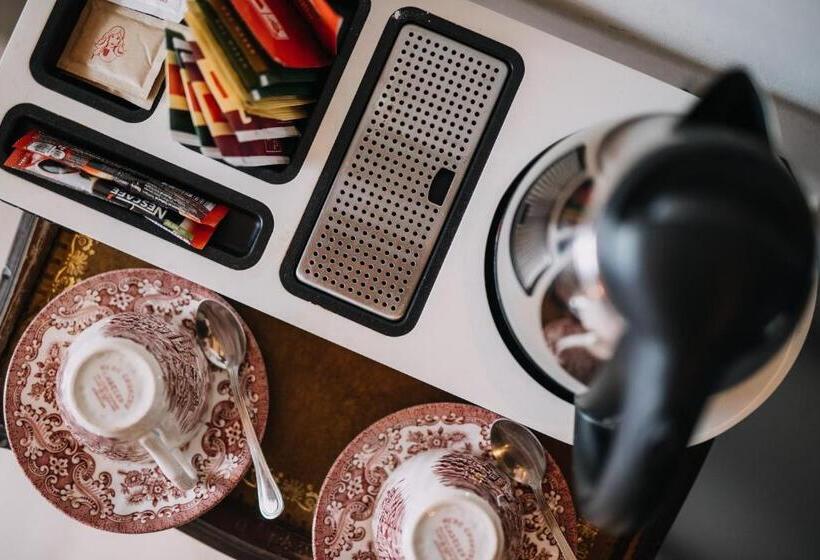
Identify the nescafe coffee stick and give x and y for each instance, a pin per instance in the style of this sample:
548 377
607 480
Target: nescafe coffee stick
168 196
192 233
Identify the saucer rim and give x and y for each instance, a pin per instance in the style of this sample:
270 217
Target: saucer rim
417 411
254 354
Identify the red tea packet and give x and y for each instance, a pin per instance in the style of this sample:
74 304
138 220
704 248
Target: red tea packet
179 116
324 20
282 31
247 127
207 145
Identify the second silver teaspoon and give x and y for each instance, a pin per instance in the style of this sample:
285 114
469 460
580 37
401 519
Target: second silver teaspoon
520 455
222 339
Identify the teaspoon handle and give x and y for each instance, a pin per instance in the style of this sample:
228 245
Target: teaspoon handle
271 503
552 523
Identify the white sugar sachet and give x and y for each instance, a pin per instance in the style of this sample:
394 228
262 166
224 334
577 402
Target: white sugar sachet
118 50
170 10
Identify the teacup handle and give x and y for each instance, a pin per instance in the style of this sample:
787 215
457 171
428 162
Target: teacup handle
170 461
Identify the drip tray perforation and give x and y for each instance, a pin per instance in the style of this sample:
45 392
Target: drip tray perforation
402 171
378 226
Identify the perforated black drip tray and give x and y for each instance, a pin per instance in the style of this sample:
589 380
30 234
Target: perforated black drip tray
402 170
239 239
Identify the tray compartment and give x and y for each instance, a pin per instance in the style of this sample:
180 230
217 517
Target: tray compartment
64 16
43 66
402 170
355 14
237 243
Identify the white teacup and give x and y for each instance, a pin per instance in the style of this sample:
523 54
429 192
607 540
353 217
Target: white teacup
446 505
134 388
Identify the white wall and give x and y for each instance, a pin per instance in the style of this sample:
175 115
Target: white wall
684 42
778 39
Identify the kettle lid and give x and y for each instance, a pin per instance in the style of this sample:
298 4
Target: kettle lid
732 102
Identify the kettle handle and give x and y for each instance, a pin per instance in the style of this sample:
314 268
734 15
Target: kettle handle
631 431
711 272
706 249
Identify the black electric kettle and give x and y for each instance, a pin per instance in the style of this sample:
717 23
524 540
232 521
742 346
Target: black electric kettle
693 263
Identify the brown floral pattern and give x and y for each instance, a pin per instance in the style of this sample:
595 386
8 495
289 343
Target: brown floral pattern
342 524
148 485
426 440
471 473
46 375
113 495
388 541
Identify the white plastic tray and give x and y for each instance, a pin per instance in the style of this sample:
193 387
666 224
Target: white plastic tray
455 344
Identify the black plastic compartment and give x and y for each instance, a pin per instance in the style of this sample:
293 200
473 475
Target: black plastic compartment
354 13
61 23
239 239
287 271
43 66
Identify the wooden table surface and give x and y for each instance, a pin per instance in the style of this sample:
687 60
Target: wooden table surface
321 397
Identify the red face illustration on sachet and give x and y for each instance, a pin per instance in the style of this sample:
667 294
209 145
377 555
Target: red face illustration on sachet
111 44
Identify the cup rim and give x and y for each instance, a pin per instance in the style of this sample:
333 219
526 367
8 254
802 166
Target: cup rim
408 540
86 350
446 495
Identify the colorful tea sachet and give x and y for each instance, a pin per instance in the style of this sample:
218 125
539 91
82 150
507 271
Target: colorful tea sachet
236 42
244 105
117 50
179 114
265 71
284 32
239 154
278 107
207 146
324 20
247 127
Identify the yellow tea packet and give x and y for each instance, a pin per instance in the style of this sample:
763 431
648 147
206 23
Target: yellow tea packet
118 50
286 107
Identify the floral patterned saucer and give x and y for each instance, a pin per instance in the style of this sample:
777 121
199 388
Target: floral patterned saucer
118 496
341 527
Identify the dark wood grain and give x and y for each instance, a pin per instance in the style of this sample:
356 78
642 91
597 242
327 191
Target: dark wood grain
321 397
39 241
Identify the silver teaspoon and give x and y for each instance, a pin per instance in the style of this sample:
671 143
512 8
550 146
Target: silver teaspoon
222 339
518 453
